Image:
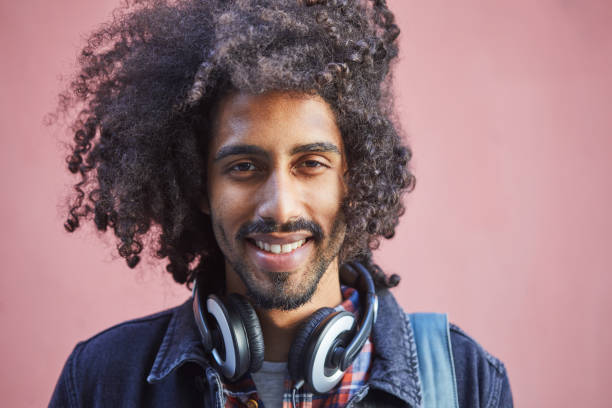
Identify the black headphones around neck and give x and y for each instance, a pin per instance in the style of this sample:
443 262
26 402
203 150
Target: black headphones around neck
325 345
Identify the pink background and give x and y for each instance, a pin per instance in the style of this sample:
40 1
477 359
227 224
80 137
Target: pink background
507 107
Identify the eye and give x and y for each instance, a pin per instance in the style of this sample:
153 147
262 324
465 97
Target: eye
243 167
312 166
312 163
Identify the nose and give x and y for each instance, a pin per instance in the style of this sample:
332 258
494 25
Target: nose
279 198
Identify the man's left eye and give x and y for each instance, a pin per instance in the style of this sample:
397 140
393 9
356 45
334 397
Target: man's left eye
311 167
312 163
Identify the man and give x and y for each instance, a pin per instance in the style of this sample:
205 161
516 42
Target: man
257 136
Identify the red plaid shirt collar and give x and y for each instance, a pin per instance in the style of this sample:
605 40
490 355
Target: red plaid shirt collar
243 393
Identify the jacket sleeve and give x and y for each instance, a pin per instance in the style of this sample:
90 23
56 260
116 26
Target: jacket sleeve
65 394
482 379
505 399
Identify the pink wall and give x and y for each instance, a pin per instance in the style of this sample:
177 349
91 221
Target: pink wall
508 111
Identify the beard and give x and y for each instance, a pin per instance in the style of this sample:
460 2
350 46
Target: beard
281 291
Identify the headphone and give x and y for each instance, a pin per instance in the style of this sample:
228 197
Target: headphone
325 345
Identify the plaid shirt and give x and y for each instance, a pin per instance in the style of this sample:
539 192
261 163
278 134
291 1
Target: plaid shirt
243 393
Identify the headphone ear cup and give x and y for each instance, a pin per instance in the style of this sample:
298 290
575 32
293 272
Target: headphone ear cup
252 328
297 358
229 340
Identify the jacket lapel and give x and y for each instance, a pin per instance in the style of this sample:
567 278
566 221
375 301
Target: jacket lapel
395 363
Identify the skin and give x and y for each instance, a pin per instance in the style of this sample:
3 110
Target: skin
275 159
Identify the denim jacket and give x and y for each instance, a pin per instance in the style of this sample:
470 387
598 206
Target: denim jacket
158 361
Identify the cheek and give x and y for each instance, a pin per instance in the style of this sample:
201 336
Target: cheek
326 200
230 208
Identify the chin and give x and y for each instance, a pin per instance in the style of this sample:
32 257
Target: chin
280 300
280 292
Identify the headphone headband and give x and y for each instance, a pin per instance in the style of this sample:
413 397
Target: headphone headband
364 283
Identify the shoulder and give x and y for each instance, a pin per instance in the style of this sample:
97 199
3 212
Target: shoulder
134 339
482 379
118 332
104 361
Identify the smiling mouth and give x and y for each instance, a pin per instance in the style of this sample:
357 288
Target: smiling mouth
279 248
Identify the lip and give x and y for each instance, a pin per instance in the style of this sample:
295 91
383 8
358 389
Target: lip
283 262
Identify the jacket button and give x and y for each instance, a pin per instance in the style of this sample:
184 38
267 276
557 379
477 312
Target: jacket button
252 403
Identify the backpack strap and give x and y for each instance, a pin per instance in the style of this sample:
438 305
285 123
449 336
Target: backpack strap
436 366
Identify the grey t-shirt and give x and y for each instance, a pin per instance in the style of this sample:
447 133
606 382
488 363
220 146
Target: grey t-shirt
270 383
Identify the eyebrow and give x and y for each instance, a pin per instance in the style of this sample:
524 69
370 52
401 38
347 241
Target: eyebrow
234 150
316 147
239 149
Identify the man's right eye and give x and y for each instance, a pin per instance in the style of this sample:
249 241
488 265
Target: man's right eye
242 167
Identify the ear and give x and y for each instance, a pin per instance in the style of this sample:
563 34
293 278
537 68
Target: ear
345 179
203 204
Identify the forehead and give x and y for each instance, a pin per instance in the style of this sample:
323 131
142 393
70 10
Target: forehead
274 121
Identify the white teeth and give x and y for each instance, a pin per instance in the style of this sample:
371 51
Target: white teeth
278 248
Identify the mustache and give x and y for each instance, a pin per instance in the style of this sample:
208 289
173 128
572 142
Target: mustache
262 226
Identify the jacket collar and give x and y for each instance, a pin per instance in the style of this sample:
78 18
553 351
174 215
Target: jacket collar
395 368
181 344
393 372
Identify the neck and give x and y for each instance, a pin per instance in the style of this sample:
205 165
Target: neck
280 326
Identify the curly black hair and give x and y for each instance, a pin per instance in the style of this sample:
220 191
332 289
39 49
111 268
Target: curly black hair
145 94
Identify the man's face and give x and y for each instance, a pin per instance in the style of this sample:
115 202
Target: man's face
275 187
